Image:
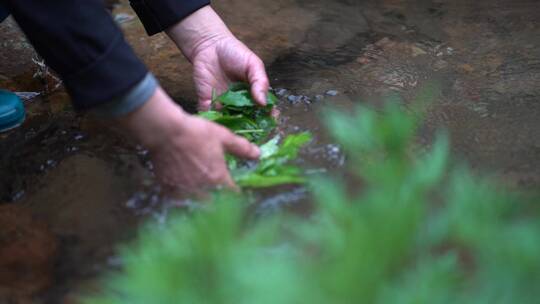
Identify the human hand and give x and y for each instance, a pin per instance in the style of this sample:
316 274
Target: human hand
187 152
218 57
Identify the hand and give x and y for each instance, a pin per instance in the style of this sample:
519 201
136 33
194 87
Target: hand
218 57
225 61
187 151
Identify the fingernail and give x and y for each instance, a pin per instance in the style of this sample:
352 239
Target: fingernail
262 98
256 152
205 105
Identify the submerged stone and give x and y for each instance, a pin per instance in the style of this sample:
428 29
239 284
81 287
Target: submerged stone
293 98
331 92
27 254
280 92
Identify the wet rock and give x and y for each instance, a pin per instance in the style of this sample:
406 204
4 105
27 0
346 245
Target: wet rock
399 78
72 149
280 92
319 97
385 43
331 93
27 255
296 99
416 51
439 65
293 98
363 60
466 68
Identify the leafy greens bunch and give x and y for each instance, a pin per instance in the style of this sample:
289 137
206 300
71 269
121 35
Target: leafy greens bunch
420 229
241 115
273 168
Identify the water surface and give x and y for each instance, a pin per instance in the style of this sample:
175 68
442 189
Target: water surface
94 188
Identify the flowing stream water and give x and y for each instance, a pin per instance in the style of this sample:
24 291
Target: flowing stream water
93 188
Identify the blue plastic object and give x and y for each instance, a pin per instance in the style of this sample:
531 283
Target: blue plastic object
11 111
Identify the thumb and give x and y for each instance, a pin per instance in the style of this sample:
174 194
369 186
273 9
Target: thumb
204 105
258 80
239 146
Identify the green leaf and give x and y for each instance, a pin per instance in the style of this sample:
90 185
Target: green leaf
262 181
270 148
236 99
236 123
271 99
432 167
211 115
292 144
238 86
214 95
272 168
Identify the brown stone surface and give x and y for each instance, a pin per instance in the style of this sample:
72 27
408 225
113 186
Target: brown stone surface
484 56
27 254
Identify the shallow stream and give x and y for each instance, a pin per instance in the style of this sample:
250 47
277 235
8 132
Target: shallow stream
93 188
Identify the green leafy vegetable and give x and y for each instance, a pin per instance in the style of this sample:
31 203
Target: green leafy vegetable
272 168
238 95
241 115
211 115
236 99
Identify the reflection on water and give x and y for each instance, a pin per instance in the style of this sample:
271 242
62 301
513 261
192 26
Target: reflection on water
94 188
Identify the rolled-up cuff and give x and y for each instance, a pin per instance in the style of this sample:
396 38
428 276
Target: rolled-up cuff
131 101
111 76
159 15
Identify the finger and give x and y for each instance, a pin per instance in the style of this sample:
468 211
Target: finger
258 80
209 105
205 105
221 177
228 182
240 146
218 106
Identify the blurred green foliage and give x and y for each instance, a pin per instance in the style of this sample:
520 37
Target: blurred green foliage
421 230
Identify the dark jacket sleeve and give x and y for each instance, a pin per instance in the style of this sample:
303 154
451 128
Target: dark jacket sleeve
159 15
81 42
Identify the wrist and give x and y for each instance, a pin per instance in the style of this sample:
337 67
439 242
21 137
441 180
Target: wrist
155 122
198 31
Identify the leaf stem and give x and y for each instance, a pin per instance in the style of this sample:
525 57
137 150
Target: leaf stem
249 131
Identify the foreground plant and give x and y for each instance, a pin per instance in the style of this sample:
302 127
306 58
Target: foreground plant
421 230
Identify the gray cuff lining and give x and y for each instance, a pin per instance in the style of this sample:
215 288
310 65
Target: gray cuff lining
129 102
